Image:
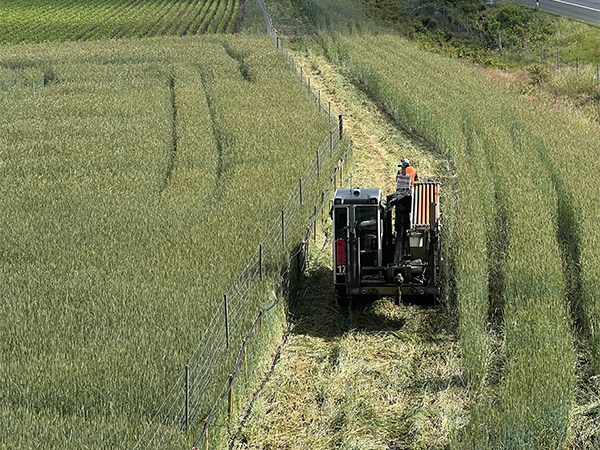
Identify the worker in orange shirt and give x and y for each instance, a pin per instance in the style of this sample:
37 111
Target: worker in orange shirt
405 180
405 169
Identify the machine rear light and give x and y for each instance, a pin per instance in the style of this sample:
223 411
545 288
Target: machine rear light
337 201
340 252
373 200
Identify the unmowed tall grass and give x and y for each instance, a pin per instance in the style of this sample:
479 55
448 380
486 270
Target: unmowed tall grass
508 261
137 178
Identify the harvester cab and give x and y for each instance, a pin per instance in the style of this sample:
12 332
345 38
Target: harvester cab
387 248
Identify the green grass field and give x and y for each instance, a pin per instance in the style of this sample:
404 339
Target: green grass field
71 20
138 178
511 166
522 245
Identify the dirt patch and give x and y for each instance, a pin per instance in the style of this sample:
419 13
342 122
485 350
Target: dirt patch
509 78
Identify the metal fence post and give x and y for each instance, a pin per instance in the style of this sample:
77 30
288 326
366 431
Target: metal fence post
301 76
542 54
230 398
318 165
500 40
245 360
226 320
308 85
319 100
329 103
260 262
300 186
577 65
187 396
283 228
306 245
315 226
597 75
277 42
341 127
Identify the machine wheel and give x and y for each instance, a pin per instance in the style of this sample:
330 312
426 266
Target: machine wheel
343 301
341 298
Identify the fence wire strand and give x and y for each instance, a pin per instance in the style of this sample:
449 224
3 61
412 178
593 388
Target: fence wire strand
211 355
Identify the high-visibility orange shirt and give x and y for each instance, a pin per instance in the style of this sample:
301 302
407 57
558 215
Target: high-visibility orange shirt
413 175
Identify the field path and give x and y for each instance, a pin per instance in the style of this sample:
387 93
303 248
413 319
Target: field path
381 376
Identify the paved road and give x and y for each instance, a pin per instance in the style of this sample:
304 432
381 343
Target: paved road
586 10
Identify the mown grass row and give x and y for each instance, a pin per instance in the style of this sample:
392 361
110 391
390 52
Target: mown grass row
504 192
110 263
68 20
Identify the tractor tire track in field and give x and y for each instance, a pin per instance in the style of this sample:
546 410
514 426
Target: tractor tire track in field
208 81
585 424
376 376
174 138
240 59
567 233
497 241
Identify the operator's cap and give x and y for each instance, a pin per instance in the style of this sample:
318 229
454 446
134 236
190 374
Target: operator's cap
404 163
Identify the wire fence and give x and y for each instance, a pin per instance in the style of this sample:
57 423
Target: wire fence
221 414
567 62
212 374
